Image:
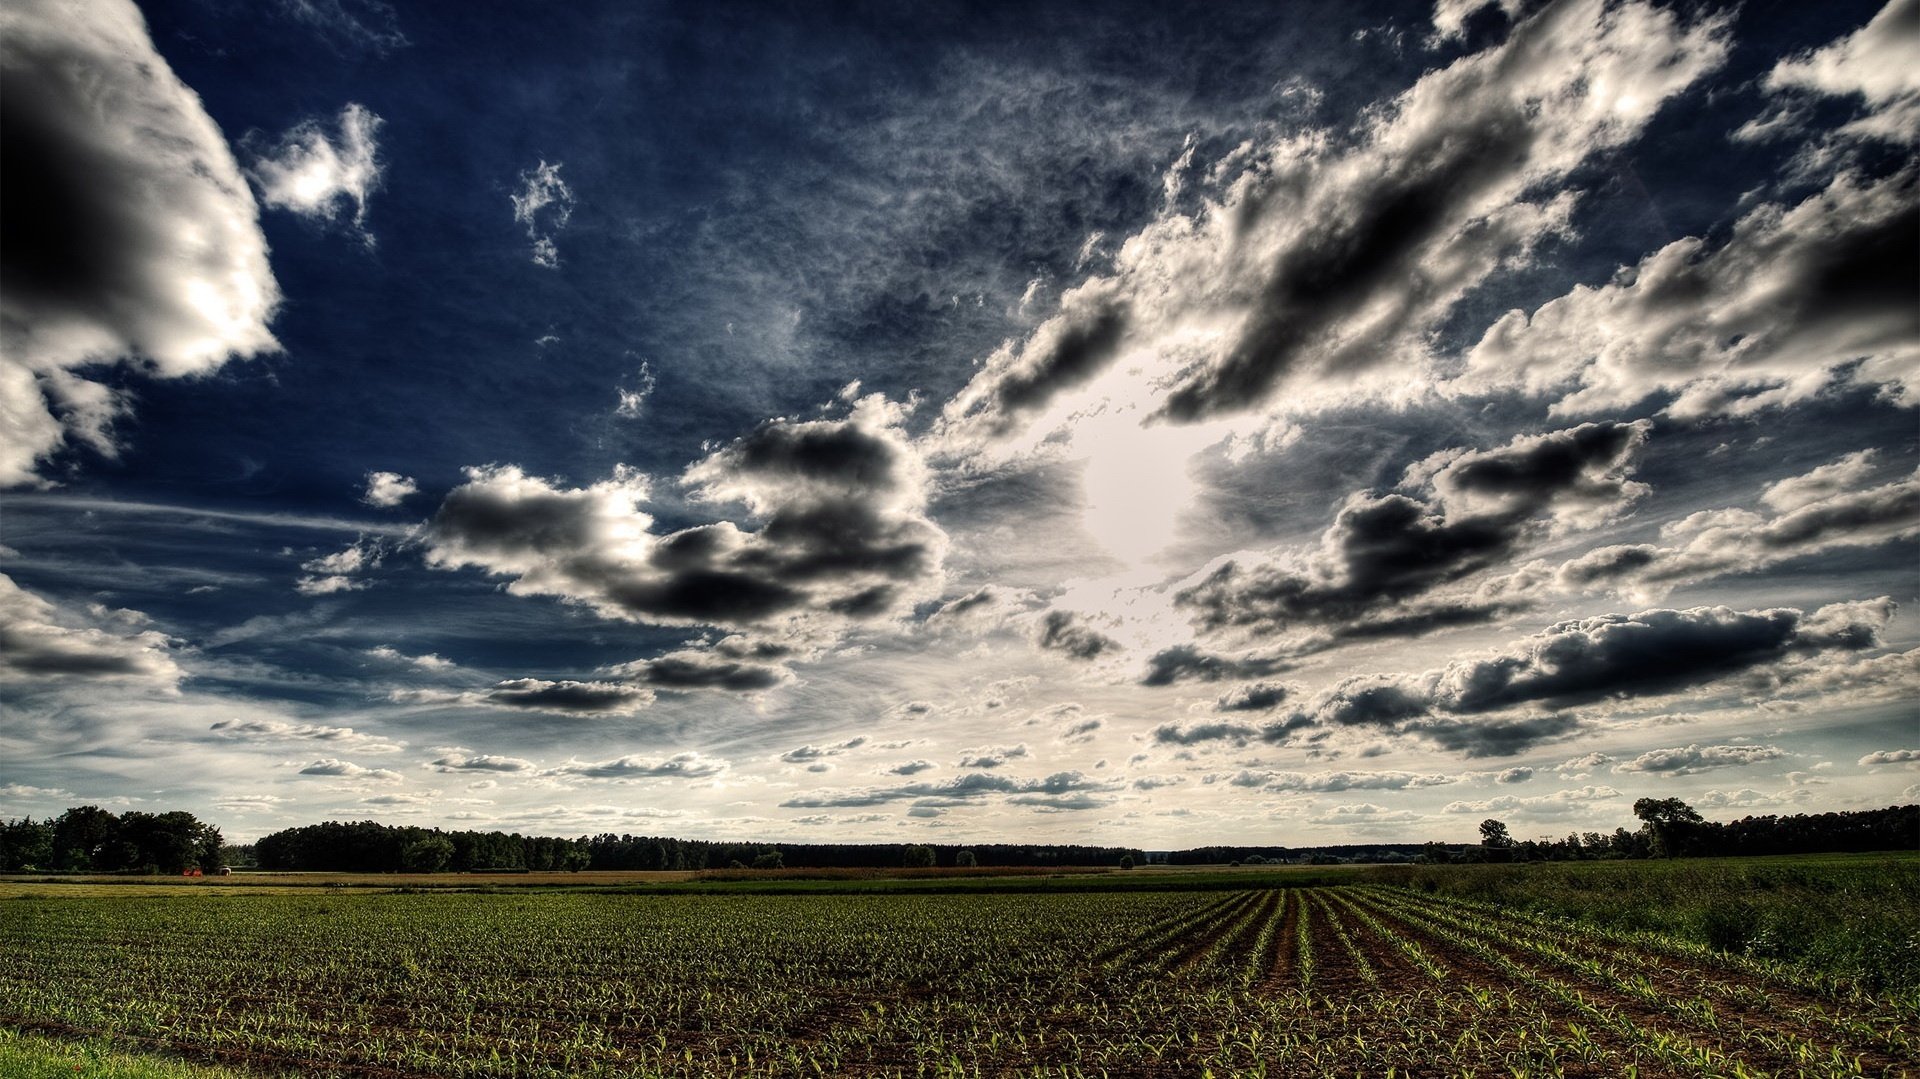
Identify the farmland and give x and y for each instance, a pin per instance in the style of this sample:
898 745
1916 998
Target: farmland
1464 971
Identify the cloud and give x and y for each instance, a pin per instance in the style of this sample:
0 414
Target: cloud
813 753
544 204
130 232
1472 511
844 536
428 662
992 757
1255 697
1325 259
350 25
959 790
1193 734
1689 759
567 697
39 641
909 768
330 766
385 489
1582 766
257 730
1890 756
678 766
1558 803
693 669
1830 508
327 586
318 176
1334 782
1608 657
480 762
1065 632
1875 64
1184 662
1796 301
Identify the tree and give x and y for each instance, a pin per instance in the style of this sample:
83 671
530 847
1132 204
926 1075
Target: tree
429 854
1672 827
81 837
965 859
1126 861
1493 833
917 857
26 844
771 859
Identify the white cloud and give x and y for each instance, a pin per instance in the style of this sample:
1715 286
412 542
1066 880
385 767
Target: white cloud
1891 756
145 240
544 204
333 766
1689 759
386 489
41 642
317 175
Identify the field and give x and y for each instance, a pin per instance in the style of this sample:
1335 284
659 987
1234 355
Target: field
1475 970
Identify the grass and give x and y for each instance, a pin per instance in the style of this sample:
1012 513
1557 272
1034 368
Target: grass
31 1056
1852 916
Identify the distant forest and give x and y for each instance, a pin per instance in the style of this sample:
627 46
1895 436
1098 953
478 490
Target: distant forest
91 839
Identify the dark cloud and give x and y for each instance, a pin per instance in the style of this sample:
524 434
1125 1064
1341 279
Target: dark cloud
1833 507
1257 697
843 534
1193 734
129 230
813 753
909 768
690 670
1066 351
1610 657
567 697
1063 631
1384 550
960 790
1184 662
992 758
1796 300
348 770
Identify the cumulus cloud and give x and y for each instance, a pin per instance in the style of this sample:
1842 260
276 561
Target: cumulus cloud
1689 759
568 697
692 669
1068 633
960 790
1471 510
914 767
1582 766
1188 662
1255 697
1193 734
1874 64
1558 803
40 641
678 766
258 730
1830 508
992 757
544 204
1333 782
428 662
843 536
806 753
318 174
1795 301
1891 756
130 232
1325 259
1581 662
386 489
455 763
331 766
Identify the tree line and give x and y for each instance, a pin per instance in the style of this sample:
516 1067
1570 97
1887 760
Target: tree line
92 839
88 839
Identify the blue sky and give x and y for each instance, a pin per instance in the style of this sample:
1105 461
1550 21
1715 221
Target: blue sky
1155 424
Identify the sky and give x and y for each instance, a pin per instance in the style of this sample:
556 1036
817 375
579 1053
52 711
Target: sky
1156 424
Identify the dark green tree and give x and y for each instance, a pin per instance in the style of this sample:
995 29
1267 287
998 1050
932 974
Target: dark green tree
917 857
1672 827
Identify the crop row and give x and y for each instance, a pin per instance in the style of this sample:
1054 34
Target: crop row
1305 981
